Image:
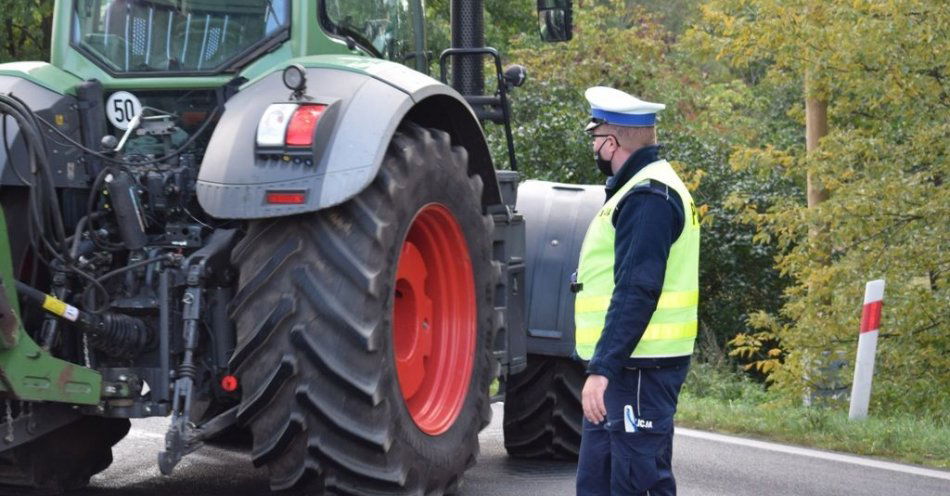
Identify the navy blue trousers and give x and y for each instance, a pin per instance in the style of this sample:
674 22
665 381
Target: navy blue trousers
630 454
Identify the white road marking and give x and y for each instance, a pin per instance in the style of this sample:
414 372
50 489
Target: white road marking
823 455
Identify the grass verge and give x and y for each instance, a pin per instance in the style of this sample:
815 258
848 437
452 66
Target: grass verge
720 401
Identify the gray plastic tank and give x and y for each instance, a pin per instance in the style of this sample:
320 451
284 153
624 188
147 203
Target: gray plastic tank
556 217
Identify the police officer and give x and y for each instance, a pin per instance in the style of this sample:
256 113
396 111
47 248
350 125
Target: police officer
635 311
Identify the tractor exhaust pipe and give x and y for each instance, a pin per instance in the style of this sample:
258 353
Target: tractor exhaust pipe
468 31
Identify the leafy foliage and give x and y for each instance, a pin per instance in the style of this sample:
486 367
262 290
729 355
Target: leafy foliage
675 15
25 29
884 68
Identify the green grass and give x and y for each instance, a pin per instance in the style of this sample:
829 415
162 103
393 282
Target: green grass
718 401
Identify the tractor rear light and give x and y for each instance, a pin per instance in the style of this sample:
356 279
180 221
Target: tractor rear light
302 124
273 124
286 197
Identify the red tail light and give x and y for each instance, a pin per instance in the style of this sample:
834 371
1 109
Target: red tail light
286 197
302 124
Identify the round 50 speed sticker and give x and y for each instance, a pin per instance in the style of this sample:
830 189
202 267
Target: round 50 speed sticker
121 108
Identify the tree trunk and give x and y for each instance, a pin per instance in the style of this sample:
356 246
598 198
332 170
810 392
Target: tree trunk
816 127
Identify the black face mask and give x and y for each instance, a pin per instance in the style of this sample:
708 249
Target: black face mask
603 165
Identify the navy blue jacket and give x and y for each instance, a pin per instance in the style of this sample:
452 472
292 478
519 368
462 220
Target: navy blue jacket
647 221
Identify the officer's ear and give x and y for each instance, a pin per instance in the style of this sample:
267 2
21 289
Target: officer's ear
611 132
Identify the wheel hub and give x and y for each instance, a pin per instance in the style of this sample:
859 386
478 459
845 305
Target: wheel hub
434 319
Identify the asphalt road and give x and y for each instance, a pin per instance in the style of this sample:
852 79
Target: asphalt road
705 464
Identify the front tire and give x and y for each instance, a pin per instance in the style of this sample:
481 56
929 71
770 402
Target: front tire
365 331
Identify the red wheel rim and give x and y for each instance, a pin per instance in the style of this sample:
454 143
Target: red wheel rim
434 319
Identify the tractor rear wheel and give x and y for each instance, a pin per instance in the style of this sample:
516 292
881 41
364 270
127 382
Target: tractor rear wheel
543 414
365 331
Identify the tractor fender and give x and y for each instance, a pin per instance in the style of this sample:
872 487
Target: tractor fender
557 216
366 100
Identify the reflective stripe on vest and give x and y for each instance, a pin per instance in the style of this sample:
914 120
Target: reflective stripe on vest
672 329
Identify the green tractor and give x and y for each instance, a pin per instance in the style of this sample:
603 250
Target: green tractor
264 216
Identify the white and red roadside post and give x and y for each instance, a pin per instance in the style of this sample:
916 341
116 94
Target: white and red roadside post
867 347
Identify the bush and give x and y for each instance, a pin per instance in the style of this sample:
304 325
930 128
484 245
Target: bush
720 383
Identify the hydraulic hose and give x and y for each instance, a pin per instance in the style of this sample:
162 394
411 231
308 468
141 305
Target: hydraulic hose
115 334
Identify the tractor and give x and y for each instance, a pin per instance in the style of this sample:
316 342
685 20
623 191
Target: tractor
266 217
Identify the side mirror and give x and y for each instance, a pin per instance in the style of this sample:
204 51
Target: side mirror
555 20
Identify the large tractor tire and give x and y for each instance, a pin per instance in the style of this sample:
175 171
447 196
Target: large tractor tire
365 331
61 460
543 414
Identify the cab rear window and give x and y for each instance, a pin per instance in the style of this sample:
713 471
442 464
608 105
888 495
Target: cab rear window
181 36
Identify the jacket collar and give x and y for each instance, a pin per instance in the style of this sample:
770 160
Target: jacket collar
637 161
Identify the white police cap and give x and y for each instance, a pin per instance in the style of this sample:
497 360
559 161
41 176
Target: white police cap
612 106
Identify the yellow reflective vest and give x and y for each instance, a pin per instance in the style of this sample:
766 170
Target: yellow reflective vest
671 331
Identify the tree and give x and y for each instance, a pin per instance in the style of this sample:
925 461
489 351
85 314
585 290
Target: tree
25 27
883 68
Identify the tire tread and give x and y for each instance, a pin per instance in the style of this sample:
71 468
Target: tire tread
543 409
